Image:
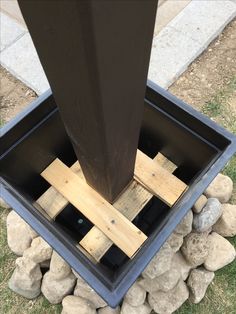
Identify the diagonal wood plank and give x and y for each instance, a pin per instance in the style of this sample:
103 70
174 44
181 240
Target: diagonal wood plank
157 179
95 242
130 203
112 223
52 201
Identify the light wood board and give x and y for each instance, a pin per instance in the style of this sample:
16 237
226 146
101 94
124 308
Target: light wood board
158 180
93 206
130 204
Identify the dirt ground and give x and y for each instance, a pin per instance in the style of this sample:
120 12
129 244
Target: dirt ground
211 72
14 95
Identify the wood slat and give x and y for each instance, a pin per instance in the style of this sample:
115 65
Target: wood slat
165 163
95 242
102 214
54 202
157 179
130 203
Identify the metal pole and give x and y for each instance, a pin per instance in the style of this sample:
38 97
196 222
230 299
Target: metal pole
96 55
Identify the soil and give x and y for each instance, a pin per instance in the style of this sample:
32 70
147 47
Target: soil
208 74
14 95
211 72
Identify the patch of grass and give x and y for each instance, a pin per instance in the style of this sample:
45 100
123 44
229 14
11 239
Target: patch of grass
221 295
217 107
11 303
230 170
212 108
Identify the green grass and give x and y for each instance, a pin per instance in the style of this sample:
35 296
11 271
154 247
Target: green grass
221 295
11 303
219 108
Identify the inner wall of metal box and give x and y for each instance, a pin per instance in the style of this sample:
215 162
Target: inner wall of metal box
23 165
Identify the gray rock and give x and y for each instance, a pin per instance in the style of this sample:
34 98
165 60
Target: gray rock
165 282
136 295
21 240
83 290
160 263
175 241
226 225
77 305
195 248
129 309
109 310
58 267
55 290
26 278
168 302
221 252
209 215
198 283
221 188
200 203
185 226
181 265
39 251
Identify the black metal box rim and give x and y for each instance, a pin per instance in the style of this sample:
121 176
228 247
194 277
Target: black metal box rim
218 139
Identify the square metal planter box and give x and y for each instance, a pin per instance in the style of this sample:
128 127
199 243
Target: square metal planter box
29 143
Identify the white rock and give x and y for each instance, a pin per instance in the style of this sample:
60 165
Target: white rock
208 216
200 203
21 240
185 226
226 225
129 309
26 278
168 302
221 188
195 248
198 283
58 267
160 263
55 290
77 305
221 252
182 266
175 241
109 310
39 251
165 282
136 295
83 290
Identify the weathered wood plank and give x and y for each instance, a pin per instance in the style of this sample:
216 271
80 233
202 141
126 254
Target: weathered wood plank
52 201
130 203
157 179
101 213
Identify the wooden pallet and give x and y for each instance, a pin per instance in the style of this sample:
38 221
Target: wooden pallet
112 222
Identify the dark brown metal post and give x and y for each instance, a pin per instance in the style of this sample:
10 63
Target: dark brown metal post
96 55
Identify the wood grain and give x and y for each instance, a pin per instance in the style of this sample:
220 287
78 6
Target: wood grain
93 206
54 202
130 204
158 180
